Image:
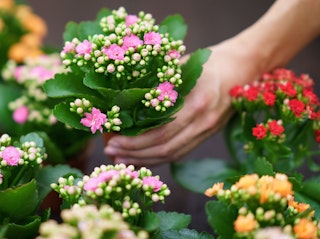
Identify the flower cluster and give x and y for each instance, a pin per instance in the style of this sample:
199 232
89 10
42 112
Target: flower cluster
33 104
18 163
263 205
280 110
124 61
90 222
21 32
125 189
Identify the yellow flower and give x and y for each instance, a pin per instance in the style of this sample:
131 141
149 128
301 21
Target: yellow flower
305 229
245 223
210 192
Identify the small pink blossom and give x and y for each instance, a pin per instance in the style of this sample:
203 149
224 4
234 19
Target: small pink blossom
69 47
133 174
131 41
18 73
20 115
107 175
114 52
11 155
174 54
41 73
94 120
167 91
131 19
84 48
152 38
92 184
153 182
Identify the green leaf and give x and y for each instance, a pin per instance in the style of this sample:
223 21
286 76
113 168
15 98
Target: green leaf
221 218
19 202
8 93
183 234
128 99
175 26
149 221
32 137
104 12
62 113
89 28
263 167
67 85
26 230
71 31
173 220
192 70
311 188
199 175
50 174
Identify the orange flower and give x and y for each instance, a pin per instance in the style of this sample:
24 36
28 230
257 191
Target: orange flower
300 207
210 192
6 4
35 24
247 181
19 51
245 223
305 229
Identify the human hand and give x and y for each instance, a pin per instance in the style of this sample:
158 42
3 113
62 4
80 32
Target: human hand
206 110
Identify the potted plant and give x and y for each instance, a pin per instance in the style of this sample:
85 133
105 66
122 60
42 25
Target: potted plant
124 73
24 183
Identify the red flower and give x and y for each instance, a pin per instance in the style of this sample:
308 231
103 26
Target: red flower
288 89
275 128
251 93
311 96
260 131
296 106
269 98
236 91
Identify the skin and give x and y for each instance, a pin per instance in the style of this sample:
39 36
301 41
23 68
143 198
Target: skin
285 29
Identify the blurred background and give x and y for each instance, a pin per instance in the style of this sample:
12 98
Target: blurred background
209 22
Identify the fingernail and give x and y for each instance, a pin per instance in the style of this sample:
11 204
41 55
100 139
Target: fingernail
113 143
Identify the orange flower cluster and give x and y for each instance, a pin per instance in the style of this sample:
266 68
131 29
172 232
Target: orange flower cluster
267 202
34 26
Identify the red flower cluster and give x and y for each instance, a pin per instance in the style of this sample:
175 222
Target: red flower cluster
274 127
281 95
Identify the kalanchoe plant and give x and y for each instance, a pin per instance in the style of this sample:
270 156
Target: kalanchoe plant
260 207
24 183
131 193
26 107
89 221
277 118
125 73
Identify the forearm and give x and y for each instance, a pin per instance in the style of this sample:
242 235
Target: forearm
286 28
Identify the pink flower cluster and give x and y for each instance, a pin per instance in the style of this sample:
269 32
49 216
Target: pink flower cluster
280 94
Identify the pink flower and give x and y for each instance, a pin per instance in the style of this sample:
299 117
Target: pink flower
11 155
41 73
131 19
107 176
84 48
18 73
153 182
20 115
131 41
152 38
133 174
92 184
114 52
174 54
94 120
69 47
167 90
